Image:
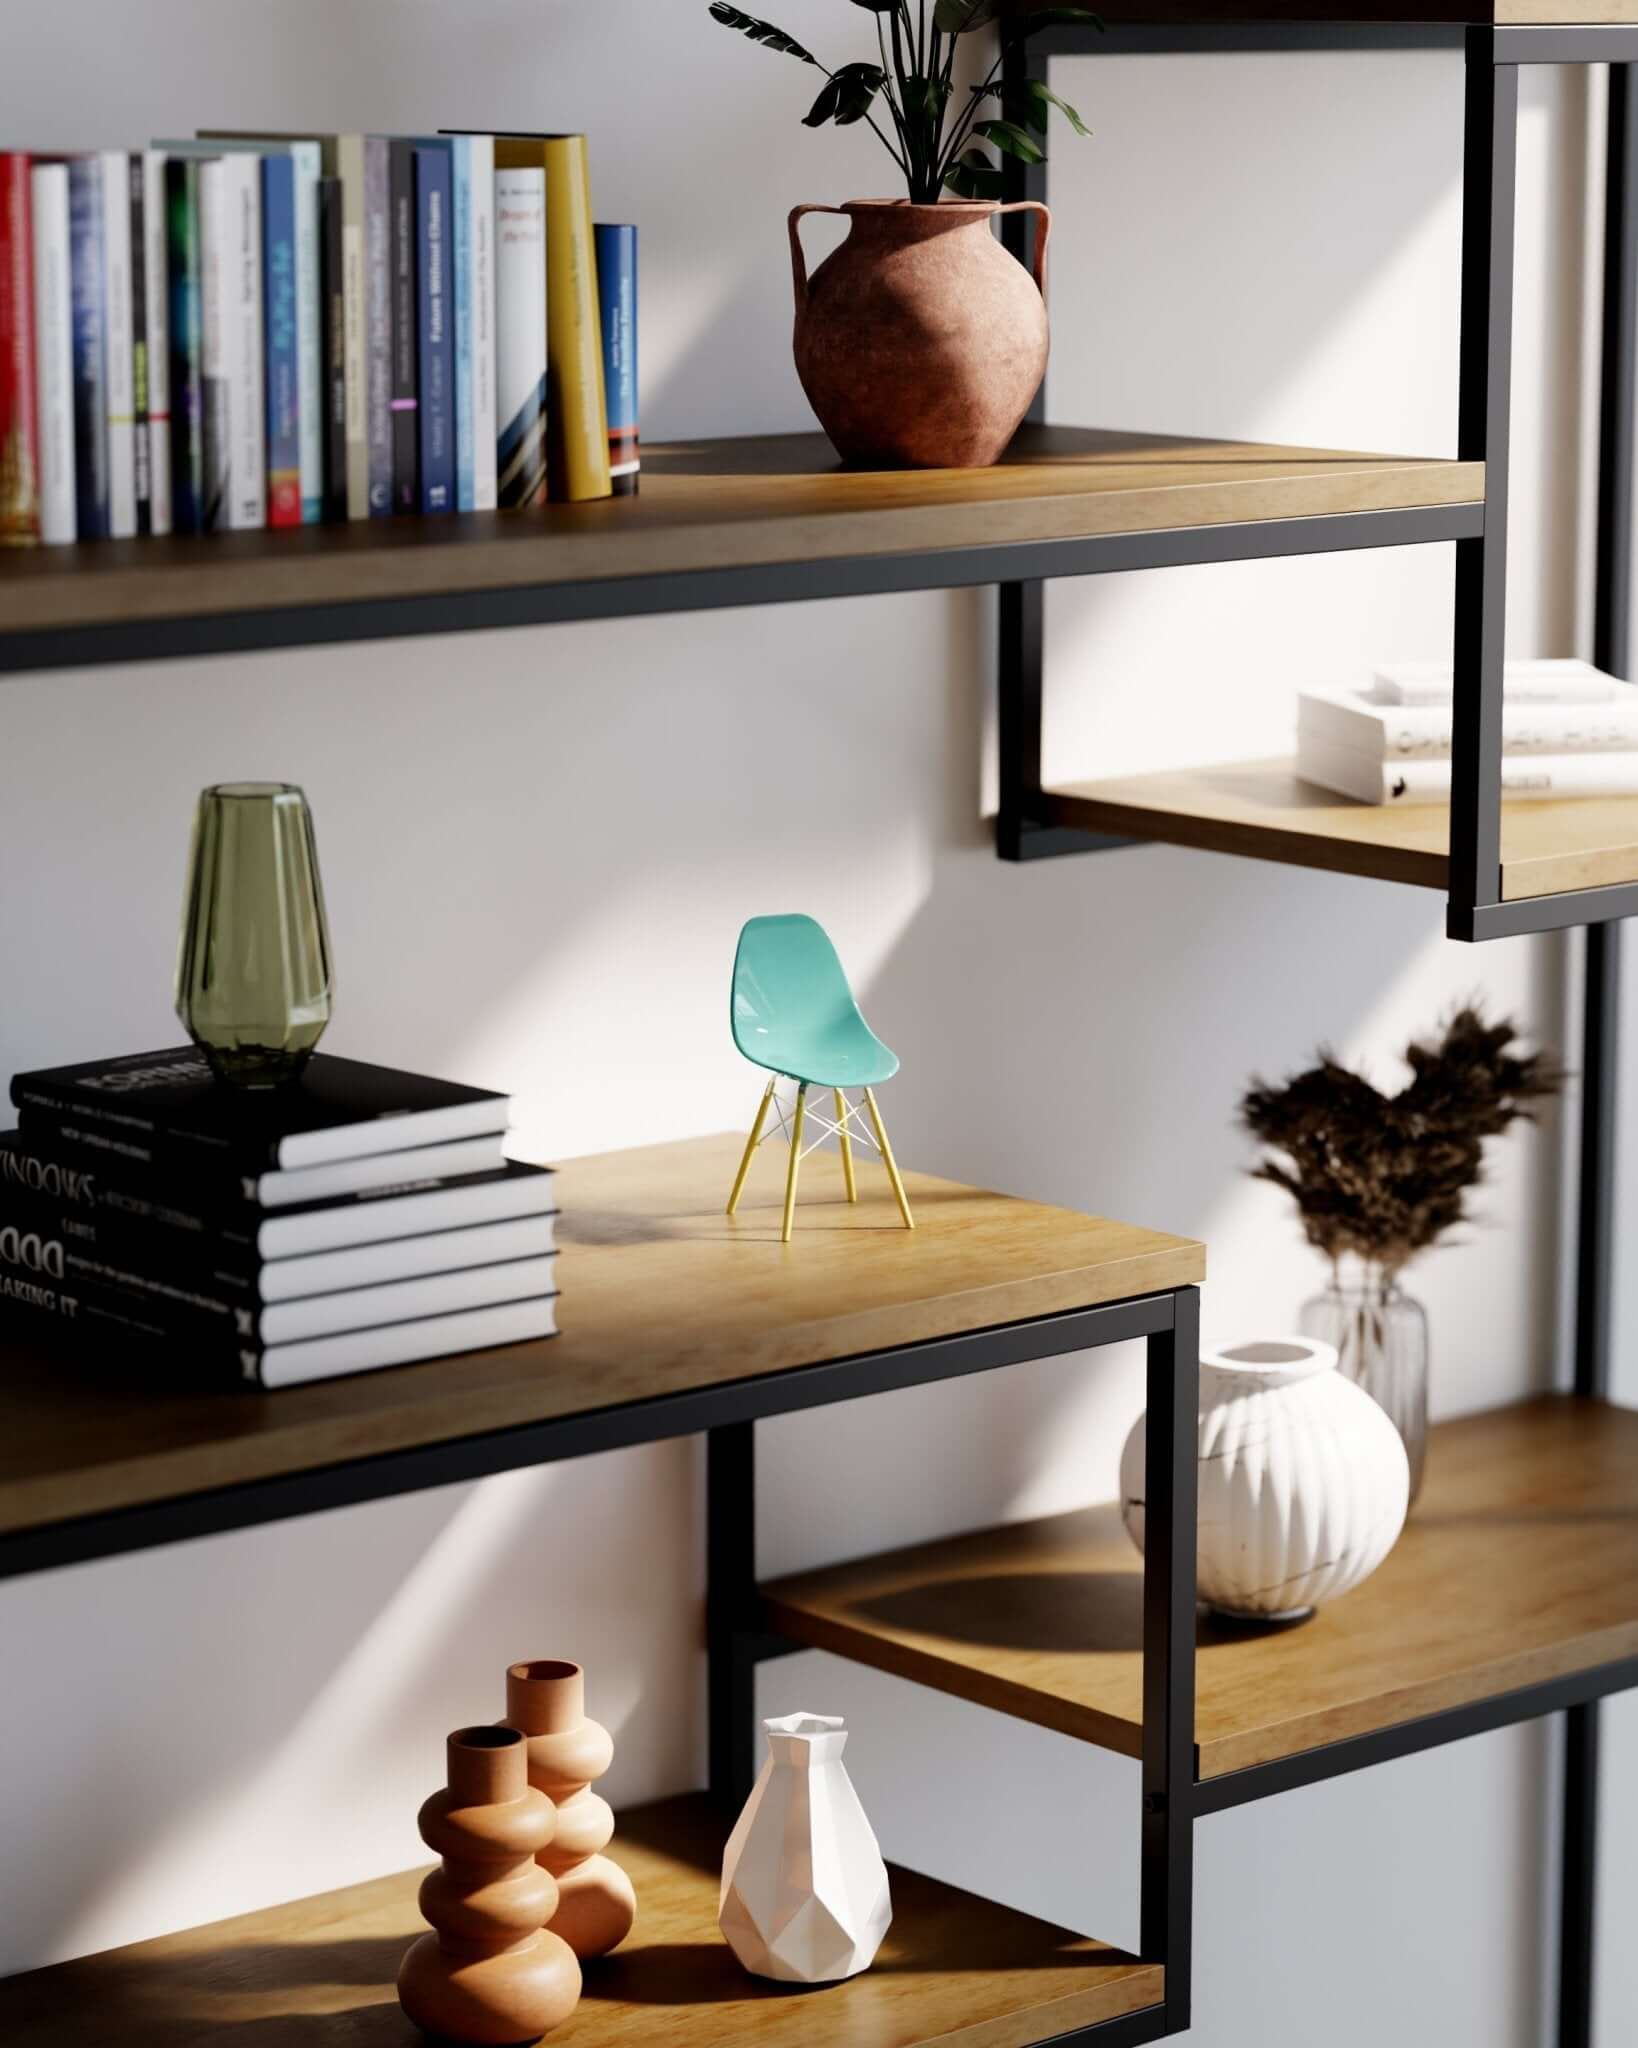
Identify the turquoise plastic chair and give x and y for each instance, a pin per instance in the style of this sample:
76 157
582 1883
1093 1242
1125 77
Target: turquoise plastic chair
793 1012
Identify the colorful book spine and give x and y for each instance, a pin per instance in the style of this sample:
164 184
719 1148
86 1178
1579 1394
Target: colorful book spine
19 374
436 341
53 351
141 448
520 337
460 203
185 301
617 299
241 283
85 191
580 440
479 307
406 321
283 359
116 330
333 338
350 169
305 165
156 314
378 322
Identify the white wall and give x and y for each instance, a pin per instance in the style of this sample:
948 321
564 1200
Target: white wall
538 848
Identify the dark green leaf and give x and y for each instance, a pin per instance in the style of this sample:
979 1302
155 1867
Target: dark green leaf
1009 136
760 31
824 107
975 177
924 98
878 6
1058 17
1029 101
859 84
956 17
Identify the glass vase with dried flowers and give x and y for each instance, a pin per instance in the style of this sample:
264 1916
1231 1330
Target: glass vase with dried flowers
1379 1178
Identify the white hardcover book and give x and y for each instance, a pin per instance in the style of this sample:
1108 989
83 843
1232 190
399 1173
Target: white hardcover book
406 1211
53 351
350 169
244 344
306 160
481 241
1423 732
1523 682
323 1358
408 1258
1541 776
520 336
118 373
157 303
403 1301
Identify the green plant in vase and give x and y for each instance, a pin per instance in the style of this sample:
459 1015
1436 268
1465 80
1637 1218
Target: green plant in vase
920 342
1380 1178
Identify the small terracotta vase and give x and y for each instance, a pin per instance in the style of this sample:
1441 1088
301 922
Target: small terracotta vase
920 342
490 1973
546 1702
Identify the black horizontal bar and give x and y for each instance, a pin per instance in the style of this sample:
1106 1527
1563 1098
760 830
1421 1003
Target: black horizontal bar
1569 43
1542 913
576 1436
538 604
1130 2030
1430 1731
1245 38
1048 842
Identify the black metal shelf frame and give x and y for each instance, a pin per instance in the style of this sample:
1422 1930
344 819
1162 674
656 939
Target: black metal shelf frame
1025 830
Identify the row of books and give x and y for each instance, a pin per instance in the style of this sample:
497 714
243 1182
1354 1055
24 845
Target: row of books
1567 730
357 1218
245 331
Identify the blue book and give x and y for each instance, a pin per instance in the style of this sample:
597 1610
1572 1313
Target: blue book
617 300
89 321
435 292
283 371
461 201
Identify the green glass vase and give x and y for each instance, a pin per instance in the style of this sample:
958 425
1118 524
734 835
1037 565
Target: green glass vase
253 966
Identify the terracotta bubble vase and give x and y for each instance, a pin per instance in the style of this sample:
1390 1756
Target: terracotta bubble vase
921 342
489 1972
546 1702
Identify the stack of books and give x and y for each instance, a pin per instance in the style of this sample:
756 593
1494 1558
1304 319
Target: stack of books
358 1217
1567 730
246 331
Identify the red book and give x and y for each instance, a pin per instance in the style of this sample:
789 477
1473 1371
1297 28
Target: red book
19 432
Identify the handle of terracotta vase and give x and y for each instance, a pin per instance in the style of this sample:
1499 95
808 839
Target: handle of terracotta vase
1042 234
799 264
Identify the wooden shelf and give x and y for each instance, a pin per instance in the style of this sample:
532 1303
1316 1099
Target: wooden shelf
1265 811
319 1973
1520 1564
1259 13
711 517
662 1294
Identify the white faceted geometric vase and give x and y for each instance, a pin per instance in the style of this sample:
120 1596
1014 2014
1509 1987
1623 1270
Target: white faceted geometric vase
1304 1481
804 1888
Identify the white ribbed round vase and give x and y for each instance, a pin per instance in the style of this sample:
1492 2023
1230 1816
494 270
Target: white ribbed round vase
1304 1482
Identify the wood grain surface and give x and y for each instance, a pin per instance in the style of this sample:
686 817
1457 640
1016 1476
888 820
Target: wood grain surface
1520 1563
725 505
319 1973
1265 811
661 1292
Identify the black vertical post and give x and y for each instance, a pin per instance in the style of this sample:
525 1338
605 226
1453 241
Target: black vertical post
1488 178
1170 1492
730 1609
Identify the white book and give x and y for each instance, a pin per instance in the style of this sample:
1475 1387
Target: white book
472 160
398 1301
1423 732
1523 682
118 372
53 351
230 254
405 1210
324 1358
157 304
1542 776
354 320
408 1258
520 336
306 160
285 1186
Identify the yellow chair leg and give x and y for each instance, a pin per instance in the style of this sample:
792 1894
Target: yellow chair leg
847 1148
751 1144
889 1161
796 1161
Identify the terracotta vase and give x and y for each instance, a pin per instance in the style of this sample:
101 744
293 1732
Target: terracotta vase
546 1702
490 1973
920 342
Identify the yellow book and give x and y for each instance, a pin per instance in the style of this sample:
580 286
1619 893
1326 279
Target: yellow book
577 416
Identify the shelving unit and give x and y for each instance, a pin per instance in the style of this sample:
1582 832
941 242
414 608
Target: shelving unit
319 1973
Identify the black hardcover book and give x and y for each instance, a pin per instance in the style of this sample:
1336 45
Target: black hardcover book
333 325
129 1218
406 442
184 275
85 1318
142 457
170 1104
